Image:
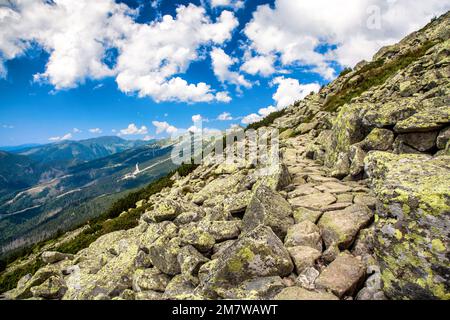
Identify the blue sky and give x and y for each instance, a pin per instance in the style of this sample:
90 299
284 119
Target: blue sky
43 99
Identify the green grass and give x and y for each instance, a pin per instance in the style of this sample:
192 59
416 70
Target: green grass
108 222
374 74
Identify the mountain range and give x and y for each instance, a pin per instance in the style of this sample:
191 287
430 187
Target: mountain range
53 187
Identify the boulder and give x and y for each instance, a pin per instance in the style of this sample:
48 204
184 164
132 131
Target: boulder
259 253
412 223
150 279
164 255
307 278
179 289
303 257
378 139
52 288
194 235
304 214
298 293
53 257
190 261
304 233
341 227
314 201
269 208
222 230
443 138
421 141
256 289
343 276
236 203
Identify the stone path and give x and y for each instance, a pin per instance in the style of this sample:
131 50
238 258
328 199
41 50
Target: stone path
330 241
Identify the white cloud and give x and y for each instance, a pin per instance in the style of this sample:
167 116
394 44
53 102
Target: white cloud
95 130
7 126
132 129
197 118
225 116
222 63
261 64
67 136
290 90
78 34
223 97
295 29
236 4
148 138
251 118
154 53
164 127
76 130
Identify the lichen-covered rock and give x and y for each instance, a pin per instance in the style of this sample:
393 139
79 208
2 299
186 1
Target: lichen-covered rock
194 235
443 138
238 202
164 254
304 233
299 293
341 227
179 289
150 279
303 257
412 223
165 210
53 256
256 289
259 253
52 288
304 214
269 208
220 186
343 276
276 177
222 230
378 139
190 261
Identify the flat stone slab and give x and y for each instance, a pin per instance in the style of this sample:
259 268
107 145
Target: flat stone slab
314 201
343 276
334 187
298 293
341 227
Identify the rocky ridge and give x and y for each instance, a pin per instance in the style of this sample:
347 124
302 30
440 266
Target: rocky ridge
358 209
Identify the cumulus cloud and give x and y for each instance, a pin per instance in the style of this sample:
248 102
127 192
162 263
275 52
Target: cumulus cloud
290 90
295 30
261 64
155 52
235 4
67 136
222 63
164 127
197 118
79 36
225 116
251 118
95 130
132 129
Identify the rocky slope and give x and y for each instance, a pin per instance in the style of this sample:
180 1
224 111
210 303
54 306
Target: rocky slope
358 209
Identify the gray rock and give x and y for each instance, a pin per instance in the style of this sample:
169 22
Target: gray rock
341 227
343 276
150 279
304 233
268 208
259 253
53 256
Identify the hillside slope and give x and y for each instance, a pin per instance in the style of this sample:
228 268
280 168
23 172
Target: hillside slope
358 209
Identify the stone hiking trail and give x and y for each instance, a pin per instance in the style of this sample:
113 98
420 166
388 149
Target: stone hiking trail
358 208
